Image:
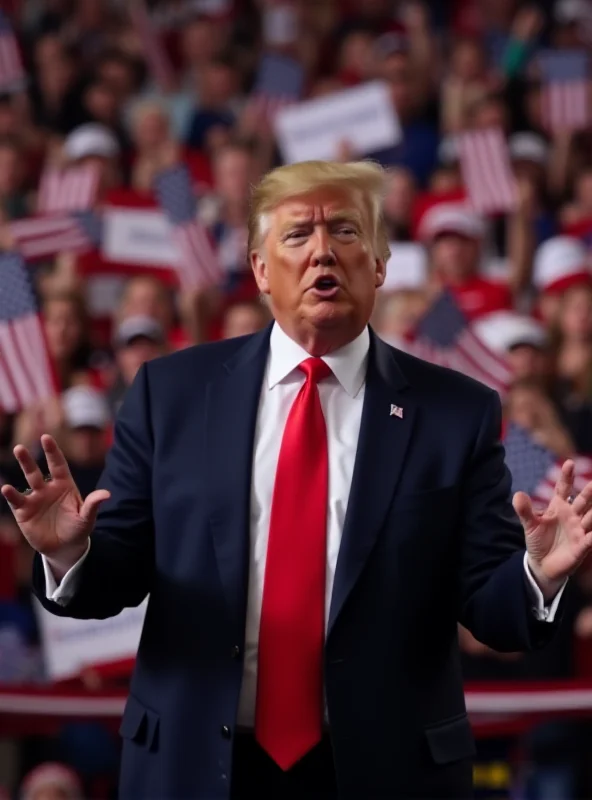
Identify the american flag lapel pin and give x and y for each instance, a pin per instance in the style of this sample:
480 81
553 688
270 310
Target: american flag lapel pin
396 411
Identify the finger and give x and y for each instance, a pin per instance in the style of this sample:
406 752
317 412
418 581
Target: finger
14 498
90 507
523 507
587 521
583 500
58 466
564 484
29 467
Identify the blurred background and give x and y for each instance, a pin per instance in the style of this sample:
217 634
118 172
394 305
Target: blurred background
130 134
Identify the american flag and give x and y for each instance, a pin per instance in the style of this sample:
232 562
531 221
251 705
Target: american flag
70 189
487 171
279 83
44 237
198 264
535 470
157 60
565 94
12 74
444 337
26 375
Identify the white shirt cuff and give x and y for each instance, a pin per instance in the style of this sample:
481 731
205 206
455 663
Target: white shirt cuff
63 593
542 612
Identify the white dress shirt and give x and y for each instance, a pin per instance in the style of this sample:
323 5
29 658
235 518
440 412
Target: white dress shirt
342 398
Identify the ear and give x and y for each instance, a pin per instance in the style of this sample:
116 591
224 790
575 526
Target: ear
259 267
380 272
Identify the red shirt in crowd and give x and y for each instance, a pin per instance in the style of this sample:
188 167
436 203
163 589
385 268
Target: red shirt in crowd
478 296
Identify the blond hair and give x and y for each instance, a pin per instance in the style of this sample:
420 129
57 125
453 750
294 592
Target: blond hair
364 178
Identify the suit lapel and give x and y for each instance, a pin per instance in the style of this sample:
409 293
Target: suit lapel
380 456
231 416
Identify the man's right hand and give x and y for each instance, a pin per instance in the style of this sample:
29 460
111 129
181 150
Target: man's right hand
52 515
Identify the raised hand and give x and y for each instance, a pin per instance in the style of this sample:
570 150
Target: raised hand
558 539
52 515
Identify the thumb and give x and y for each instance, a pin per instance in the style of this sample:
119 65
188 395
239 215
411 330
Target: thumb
523 507
90 507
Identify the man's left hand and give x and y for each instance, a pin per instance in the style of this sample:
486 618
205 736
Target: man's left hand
558 539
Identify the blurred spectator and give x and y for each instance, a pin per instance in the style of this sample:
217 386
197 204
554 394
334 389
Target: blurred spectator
137 339
529 406
521 340
201 41
67 335
574 348
399 202
55 93
580 208
243 318
94 143
211 123
573 19
86 419
355 58
147 296
418 149
454 236
466 83
13 200
397 315
559 263
51 781
155 148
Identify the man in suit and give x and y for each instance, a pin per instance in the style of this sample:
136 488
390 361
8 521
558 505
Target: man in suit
311 512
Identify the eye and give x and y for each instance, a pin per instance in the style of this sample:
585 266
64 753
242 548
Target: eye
346 230
297 234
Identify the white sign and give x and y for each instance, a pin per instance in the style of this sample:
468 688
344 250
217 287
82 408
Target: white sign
407 268
137 236
363 117
70 645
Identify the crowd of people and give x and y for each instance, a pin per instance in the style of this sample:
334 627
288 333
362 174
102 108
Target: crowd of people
522 280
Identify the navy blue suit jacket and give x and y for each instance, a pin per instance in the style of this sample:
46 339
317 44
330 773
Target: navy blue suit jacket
430 538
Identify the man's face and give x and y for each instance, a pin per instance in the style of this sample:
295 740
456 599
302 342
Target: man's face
396 71
131 357
86 446
317 263
9 170
455 258
151 130
528 362
234 172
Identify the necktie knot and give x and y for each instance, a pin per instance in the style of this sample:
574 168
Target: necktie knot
315 369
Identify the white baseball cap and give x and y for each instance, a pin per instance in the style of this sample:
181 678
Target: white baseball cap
503 330
91 139
561 262
85 407
138 327
448 150
451 218
527 146
570 11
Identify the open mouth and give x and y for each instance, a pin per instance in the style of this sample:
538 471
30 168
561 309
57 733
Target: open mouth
326 286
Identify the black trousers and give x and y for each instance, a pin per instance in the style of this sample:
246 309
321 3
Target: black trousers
256 775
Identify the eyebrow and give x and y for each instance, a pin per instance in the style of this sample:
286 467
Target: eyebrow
331 219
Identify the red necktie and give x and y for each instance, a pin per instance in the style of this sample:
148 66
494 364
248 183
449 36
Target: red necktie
289 710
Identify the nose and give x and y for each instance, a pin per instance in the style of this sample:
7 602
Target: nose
323 255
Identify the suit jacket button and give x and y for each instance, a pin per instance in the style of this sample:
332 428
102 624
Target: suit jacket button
225 731
235 651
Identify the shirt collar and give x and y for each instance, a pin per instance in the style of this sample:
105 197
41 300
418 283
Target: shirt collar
348 364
